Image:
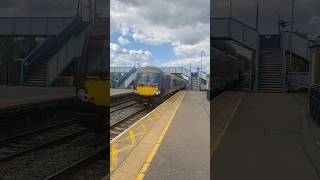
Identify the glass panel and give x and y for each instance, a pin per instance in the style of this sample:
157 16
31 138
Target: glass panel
97 56
149 79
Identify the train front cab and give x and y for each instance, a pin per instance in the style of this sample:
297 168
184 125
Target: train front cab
93 87
156 86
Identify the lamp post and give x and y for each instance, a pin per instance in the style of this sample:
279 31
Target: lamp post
201 61
230 9
291 32
182 60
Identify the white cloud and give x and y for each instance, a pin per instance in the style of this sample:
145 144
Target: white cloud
185 24
123 41
121 57
188 50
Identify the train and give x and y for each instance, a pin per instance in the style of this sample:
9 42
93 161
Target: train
92 79
153 83
228 73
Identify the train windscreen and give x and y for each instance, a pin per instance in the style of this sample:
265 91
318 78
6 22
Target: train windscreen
97 58
148 79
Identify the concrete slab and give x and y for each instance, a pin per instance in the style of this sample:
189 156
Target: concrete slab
185 150
263 141
130 151
115 92
13 96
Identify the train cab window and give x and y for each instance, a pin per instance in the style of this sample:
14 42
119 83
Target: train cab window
97 59
148 79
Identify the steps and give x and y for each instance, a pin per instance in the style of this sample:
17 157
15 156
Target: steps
36 64
39 77
127 78
271 77
194 83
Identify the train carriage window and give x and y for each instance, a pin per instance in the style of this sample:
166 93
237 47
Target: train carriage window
167 82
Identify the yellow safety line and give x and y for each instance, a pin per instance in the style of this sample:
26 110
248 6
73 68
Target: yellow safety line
136 134
146 165
219 139
151 119
114 158
133 142
132 137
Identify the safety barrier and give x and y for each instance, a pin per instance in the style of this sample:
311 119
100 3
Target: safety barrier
314 103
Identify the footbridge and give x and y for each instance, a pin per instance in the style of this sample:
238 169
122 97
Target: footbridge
273 71
33 26
128 74
61 48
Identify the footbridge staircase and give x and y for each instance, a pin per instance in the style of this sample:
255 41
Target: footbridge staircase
60 49
271 52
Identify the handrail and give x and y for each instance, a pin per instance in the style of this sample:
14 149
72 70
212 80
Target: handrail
47 50
63 54
38 51
232 19
125 76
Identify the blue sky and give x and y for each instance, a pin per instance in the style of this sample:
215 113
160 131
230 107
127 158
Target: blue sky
161 53
160 33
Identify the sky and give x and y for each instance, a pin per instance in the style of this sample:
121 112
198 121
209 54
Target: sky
162 33
307 14
46 8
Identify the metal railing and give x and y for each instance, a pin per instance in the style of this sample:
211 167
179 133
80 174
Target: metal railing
124 79
48 49
300 44
173 70
177 70
33 26
314 102
65 54
232 29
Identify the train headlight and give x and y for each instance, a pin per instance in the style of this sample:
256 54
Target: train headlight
158 92
83 95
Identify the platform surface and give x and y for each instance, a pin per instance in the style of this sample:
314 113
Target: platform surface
12 96
185 150
172 142
115 92
266 140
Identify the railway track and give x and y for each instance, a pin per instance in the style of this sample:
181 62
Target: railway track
121 124
35 140
120 102
123 105
90 167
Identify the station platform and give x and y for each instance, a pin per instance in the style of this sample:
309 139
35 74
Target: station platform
14 96
171 142
263 136
22 95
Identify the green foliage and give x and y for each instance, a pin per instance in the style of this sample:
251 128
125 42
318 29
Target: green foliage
114 79
15 48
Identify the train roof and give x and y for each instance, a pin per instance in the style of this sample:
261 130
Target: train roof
151 69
